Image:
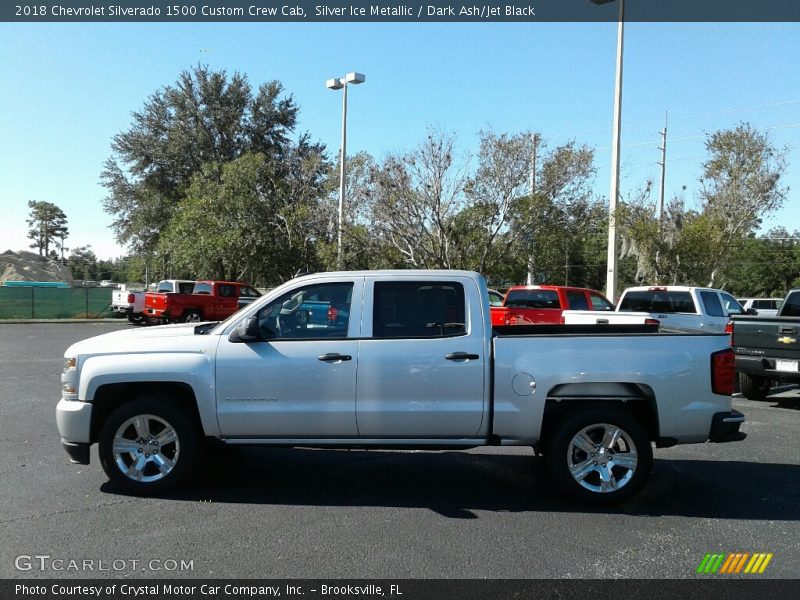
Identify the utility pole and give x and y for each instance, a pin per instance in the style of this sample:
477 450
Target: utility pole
663 164
532 187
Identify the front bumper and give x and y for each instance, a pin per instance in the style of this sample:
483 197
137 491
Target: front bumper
74 421
725 427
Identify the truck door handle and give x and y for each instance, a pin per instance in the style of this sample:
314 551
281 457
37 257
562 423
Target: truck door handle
334 357
786 330
461 356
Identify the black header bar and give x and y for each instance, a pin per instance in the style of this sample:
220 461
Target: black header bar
400 11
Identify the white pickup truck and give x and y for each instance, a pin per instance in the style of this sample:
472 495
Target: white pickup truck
675 308
131 303
394 359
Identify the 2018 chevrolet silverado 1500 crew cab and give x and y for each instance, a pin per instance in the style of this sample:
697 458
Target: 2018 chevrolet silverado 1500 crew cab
407 359
767 348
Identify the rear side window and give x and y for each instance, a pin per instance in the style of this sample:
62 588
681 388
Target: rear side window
418 309
577 301
712 304
656 301
202 288
226 291
185 288
532 299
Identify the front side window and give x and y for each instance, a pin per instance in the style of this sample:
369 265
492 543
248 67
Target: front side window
791 308
314 311
730 304
600 303
248 292
418 309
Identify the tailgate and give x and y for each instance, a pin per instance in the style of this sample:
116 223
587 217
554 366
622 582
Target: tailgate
156 301
777 338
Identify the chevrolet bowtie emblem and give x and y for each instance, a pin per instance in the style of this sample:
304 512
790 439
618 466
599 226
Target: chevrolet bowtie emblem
787 340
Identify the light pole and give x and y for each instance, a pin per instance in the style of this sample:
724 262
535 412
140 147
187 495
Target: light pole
338 83
611 269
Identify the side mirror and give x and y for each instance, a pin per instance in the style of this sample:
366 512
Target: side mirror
247 331
751 311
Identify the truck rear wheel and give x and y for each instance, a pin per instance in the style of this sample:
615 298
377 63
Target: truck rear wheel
754 387
149 446
600 455
192 316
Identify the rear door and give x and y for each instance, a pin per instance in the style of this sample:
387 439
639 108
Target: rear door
422 361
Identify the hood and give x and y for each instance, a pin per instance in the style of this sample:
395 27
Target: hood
144 339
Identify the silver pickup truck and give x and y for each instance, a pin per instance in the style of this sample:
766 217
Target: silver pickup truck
397 359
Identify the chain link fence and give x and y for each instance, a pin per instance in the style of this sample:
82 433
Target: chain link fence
55 303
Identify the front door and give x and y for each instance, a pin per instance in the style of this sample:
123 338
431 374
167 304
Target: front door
301 382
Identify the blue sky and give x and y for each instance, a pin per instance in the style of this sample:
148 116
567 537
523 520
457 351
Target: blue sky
66 89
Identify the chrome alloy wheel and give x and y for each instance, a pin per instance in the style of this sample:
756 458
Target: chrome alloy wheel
602 458
146 448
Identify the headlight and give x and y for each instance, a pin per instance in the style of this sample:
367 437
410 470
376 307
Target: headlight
70 363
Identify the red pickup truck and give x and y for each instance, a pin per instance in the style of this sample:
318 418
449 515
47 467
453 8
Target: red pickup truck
525 304
209 301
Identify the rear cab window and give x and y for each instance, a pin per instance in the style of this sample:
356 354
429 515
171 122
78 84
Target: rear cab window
658 301
539 299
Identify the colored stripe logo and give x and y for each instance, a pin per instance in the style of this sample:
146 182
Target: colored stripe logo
738 562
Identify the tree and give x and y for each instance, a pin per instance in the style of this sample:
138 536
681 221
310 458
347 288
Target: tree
417 196
251 222
740 187
48 226
83 263
202 122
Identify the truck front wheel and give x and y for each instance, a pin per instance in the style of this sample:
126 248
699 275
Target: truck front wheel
148 446
600 455
754 387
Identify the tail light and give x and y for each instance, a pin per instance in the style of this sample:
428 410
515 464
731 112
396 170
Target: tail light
723 372
131 298
649 321
333 313
563 320
729 330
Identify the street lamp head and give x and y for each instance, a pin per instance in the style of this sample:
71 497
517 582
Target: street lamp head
355 78
334 84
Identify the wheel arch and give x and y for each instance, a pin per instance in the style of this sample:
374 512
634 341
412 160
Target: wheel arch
110 396
636 399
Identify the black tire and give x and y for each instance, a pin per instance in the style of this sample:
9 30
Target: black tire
155 474
192 316
632 444
754 387
137 319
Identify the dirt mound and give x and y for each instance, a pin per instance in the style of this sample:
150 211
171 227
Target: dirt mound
28 266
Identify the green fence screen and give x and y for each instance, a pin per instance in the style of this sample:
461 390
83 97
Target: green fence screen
55 303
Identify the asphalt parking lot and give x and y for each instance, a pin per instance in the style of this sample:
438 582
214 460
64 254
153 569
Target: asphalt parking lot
279 513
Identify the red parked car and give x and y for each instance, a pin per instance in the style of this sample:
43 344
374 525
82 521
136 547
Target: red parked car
209 301
526 304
